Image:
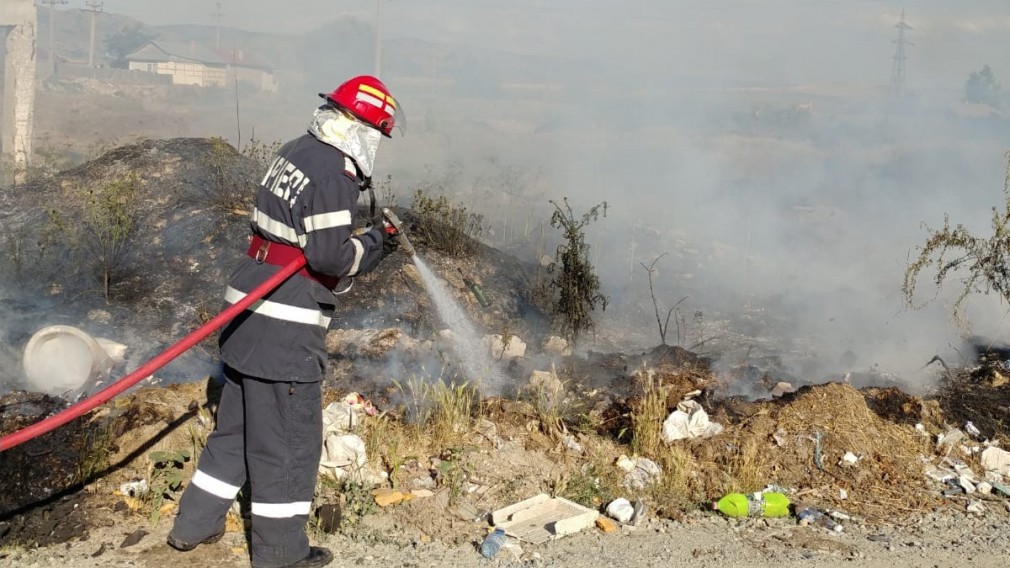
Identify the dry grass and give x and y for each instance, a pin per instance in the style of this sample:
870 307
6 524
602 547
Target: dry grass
647 419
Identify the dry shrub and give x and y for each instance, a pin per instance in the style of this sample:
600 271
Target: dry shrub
777 445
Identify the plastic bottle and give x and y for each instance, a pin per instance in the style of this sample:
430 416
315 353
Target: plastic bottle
493 543
475 290
811 516
769 504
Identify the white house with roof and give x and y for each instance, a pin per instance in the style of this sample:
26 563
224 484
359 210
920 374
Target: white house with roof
191 63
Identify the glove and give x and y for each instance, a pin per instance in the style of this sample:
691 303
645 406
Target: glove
389 241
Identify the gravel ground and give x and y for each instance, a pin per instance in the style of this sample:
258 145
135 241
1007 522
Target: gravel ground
943 540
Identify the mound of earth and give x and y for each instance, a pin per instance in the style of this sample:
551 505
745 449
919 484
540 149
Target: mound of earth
190 215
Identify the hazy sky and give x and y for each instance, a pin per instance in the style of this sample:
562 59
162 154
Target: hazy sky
778 40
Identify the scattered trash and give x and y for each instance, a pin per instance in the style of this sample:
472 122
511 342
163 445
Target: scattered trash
995 459
639 511
984 487
384 497
818 439
689 421
921 429
134 488
972 430
493 542
329 516
621 510
780 437
1000 488
975 507
941 475
811 516
570 443
848 460
606 524
768 504
843 494
965 482
344 456
625 463
541 518
344 416
839 516
949 439
642 472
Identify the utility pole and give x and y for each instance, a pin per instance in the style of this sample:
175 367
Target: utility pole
94 7
218 15
378 38
52 32
898 69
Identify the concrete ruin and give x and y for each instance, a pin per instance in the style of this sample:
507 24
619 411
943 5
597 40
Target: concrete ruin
19 20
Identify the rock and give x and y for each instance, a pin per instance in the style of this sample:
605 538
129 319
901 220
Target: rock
557 346
782 388
547 383
500 349
133 538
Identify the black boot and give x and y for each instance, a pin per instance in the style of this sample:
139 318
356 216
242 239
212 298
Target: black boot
318 556
183 546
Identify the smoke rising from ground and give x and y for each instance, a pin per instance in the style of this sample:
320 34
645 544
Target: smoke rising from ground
752 143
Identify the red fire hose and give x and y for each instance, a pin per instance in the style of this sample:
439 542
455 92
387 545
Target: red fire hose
101 397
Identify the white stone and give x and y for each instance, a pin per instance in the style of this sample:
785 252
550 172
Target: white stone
500 349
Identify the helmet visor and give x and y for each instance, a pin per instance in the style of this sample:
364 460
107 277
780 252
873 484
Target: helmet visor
399 117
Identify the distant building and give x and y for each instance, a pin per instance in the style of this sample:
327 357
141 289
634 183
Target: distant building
195 64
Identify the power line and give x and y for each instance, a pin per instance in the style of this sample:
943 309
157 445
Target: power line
898 69
218 15
95 8
52 31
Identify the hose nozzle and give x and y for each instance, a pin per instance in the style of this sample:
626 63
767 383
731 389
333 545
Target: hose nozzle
401 236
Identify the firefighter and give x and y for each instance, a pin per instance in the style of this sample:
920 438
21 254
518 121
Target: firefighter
269 420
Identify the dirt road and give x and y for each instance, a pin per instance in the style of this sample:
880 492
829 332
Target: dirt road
701 540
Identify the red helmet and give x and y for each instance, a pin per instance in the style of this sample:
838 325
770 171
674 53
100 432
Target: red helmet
368 99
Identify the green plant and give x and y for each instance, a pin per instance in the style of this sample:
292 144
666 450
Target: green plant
591 486
100 220
447 227
982 263
574 279
94 457
164 478
453 474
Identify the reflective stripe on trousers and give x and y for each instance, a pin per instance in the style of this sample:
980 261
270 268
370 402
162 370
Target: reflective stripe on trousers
275 428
